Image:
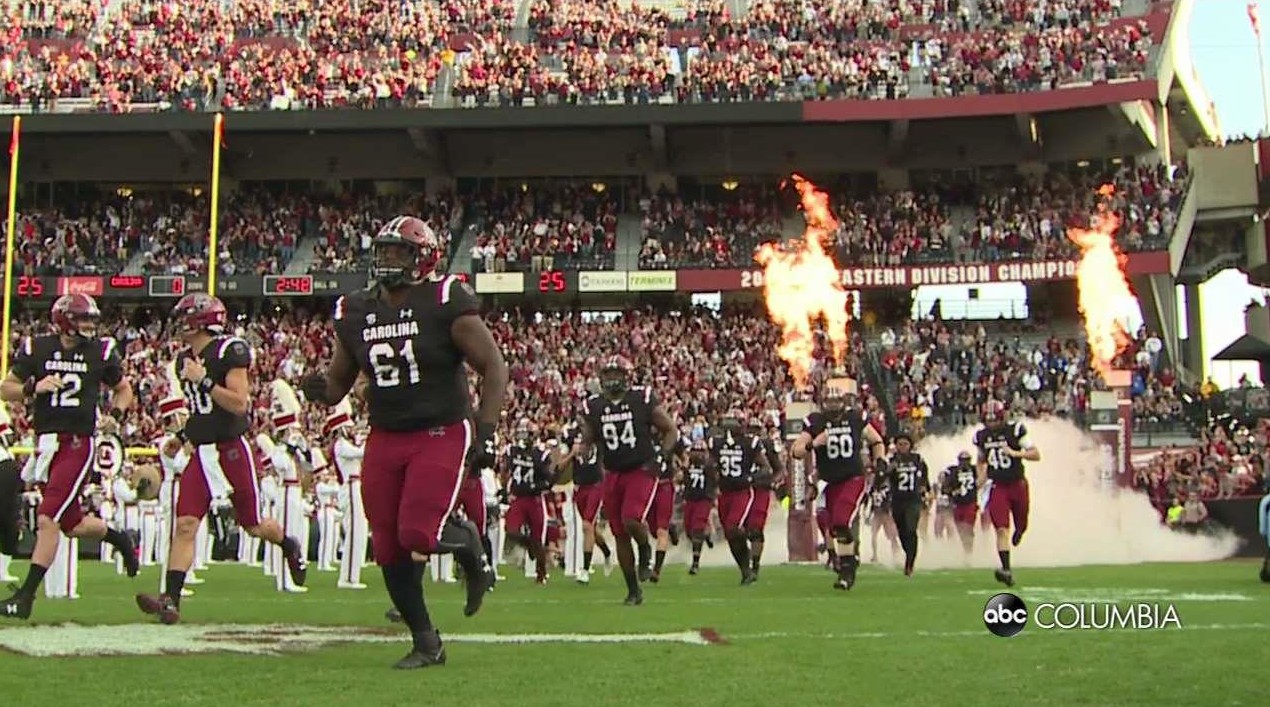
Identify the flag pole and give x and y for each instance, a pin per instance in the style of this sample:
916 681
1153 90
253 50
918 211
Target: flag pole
218 132
1254 18
11 227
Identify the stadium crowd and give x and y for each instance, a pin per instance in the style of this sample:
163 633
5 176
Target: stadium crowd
268 54
544 227
1025 218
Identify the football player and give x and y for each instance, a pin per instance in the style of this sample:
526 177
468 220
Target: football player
663 510
59 377
736 454
837 435
587 493
1003 448
765 480
909 479
960 484
701 485
411 334
527 474
620 422
214 373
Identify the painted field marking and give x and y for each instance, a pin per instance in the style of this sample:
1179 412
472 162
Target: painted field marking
1114 595
738 637
274 639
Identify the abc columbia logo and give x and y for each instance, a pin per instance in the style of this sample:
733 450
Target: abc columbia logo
1006 615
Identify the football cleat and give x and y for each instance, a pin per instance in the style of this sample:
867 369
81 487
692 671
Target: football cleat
393 616
608 565
350 585
297 565
160 605
645 573
131 560
584 577
1005 577
1016 538
654 576
694 569
463 540
427 651
1265 570
748 578
17 606
634 599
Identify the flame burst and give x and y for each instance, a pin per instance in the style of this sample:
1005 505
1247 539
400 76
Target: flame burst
801 285
1105 297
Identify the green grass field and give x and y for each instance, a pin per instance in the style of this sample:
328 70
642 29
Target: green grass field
788 640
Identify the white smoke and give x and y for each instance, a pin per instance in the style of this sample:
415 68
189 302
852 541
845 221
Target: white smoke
1074 520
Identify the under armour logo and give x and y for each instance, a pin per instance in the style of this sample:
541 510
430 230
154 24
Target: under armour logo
79 357
370 318
57 355
11 609
406 313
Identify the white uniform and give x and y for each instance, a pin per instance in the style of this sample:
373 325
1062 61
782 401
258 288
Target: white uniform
270 500
62 579
127 515
151 529
348 463
169 492
327 498
489 484
289 510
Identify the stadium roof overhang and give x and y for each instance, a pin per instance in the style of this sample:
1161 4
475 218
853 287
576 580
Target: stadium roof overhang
734 140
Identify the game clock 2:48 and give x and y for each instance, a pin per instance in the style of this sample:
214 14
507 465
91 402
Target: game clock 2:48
287 285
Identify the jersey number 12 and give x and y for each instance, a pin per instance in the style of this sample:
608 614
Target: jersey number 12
384 361
68 395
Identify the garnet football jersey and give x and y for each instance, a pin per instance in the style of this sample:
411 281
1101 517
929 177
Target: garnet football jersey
623 430
992 443
840 458
83 368
415 372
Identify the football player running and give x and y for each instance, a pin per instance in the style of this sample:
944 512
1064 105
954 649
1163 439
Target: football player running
1003 448
620 422
412 333
909 480
837 435
215 375
59 377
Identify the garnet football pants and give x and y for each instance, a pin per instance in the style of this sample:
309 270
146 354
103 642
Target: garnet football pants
472 501
216 469
663 506
628 496
587 500
410 484
63 461
1006 499
757 518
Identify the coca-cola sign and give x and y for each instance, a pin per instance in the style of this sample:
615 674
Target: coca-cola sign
80 285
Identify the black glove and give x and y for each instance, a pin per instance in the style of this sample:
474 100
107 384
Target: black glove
502 496
481 454
880 466
314 388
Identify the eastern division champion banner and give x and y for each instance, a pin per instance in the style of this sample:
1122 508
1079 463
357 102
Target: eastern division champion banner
918 275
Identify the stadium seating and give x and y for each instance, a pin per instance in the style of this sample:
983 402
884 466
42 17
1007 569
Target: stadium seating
146 55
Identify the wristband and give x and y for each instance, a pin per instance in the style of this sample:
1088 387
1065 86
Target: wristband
206 384
28 388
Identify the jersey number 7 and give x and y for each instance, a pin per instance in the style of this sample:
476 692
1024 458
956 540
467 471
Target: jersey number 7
385 360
